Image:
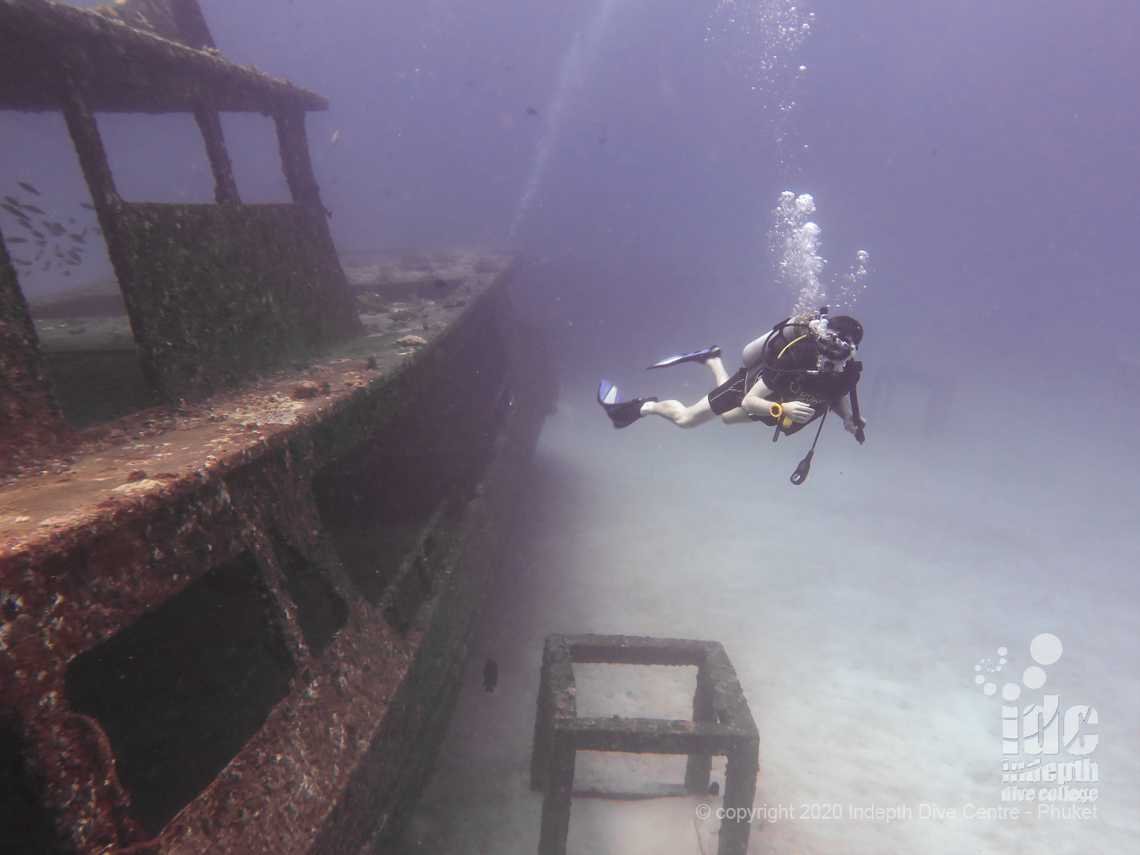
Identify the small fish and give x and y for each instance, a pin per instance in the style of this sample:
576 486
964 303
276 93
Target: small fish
47 265
12 200
71 220
67 273
16 240
21 262
532 111
11 209
55 228
490 675
335 137
77 238
29 187
87 205
33 209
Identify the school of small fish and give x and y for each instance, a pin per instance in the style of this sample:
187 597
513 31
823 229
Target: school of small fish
49 242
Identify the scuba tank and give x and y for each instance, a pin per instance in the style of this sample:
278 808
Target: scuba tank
833 357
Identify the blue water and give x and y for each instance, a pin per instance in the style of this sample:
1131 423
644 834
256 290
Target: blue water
632 154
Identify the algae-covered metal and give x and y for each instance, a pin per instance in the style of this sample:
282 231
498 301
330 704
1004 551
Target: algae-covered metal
214 292
240 628
28 414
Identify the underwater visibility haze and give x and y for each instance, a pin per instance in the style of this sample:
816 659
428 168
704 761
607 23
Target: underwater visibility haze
914 624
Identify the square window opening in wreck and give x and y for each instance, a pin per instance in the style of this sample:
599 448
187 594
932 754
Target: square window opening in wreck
63 267
392 504
180 691
25 824
260 177
321 611
157 158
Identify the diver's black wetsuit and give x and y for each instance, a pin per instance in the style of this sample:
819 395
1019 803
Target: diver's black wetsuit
788 364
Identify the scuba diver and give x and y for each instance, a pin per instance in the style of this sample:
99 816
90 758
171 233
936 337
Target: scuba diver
796 373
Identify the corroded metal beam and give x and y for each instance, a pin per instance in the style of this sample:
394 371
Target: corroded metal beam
29 417
225 185
128 69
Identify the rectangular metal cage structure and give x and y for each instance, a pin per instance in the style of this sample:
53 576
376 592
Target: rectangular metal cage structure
722 725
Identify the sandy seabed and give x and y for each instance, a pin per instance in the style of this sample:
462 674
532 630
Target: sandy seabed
855 609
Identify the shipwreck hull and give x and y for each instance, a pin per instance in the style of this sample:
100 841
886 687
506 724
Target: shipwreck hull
244 631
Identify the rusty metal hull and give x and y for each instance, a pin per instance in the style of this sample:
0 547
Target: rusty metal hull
242 628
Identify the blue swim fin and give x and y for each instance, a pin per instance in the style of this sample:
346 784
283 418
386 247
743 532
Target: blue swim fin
621 413
701 356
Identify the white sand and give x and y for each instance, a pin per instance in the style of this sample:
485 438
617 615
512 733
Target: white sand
854 609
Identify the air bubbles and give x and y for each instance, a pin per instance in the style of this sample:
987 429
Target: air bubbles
761 36
795 239
854 283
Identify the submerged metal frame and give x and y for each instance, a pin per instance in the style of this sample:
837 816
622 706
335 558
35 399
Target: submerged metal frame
722 724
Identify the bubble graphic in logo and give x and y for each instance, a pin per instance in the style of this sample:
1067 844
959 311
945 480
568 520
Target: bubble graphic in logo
1044 649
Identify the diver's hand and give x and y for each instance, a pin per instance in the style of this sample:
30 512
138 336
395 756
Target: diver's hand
855 427
798 412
